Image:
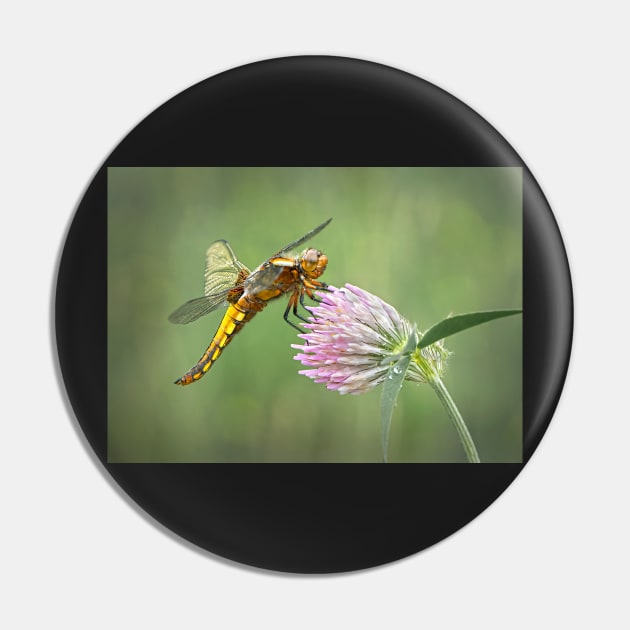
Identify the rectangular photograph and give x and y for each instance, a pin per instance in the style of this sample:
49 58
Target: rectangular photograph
277 314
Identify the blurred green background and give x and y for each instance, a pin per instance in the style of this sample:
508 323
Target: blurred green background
430 241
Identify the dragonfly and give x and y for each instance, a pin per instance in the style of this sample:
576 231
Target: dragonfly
229 283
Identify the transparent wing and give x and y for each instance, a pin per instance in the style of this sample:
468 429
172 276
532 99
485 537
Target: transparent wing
263 277
222 274
301 241
194 309
222 268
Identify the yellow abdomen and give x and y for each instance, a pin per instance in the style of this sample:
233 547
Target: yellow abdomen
236 315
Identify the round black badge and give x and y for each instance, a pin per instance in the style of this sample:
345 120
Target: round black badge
313 314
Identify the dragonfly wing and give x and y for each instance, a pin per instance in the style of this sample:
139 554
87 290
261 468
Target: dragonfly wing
263 278
194 309
306 237
223 273
222 269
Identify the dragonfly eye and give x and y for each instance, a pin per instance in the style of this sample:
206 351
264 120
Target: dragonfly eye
314 263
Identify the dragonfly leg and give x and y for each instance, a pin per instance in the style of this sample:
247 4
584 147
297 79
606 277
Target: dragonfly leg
295 308
286 315
321 286
294 300
298 298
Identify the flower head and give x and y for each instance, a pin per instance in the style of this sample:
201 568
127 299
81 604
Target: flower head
354 338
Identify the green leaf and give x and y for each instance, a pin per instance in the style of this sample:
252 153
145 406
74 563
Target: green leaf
391 387
457 323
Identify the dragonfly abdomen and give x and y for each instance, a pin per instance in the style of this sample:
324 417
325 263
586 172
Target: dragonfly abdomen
236 315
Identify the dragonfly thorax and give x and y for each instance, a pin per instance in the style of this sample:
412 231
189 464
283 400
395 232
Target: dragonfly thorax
313 263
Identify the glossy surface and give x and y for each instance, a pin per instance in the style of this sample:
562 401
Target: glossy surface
312 111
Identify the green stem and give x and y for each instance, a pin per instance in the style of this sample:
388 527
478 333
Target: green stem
456 417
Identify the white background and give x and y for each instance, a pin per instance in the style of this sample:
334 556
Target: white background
552 78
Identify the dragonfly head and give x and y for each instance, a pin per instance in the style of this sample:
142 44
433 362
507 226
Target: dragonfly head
313 263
